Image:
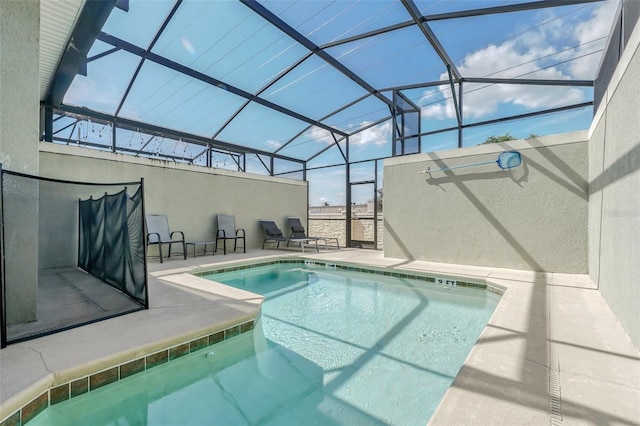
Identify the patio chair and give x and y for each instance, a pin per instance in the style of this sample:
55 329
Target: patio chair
274 234
227 231
298 231
158 232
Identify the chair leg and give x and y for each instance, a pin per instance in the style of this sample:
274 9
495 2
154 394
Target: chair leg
235 244
184 249
160 251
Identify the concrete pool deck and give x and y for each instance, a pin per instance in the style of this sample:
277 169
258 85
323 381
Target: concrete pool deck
552 353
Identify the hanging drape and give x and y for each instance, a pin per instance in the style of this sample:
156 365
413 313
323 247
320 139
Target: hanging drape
111 241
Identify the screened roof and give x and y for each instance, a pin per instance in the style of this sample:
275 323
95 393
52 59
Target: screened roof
297 79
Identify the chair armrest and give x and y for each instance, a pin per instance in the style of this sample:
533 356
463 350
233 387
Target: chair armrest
238 231
221 231
177 232
153 233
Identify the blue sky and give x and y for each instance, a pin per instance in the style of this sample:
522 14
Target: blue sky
227 41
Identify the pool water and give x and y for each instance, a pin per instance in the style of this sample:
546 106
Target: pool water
330 348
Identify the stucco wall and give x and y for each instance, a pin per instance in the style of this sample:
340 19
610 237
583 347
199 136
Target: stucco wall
190 196
19 118
532 217
614 187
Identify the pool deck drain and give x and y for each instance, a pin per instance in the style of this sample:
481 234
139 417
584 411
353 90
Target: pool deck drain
511 376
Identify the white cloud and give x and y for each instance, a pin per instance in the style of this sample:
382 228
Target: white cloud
376 135
272 144
524 56
441 110
596 27
319 134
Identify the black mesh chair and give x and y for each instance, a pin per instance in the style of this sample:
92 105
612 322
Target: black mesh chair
158 232
274 234
227 231
298 231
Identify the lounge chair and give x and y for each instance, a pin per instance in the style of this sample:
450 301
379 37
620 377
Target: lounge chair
274 234
158 232
227 231
298 231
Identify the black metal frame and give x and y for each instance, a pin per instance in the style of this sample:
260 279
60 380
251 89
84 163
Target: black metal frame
93 17
398 124
89 29
239 235
3 310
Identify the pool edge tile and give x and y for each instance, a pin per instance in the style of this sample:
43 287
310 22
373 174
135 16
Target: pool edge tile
12 420
158 358
247 326
35 407
133 367
103 378
59 394
178 351
79 387
198 344
216 337
232 332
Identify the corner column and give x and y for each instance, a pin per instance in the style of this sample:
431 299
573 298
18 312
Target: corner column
19 135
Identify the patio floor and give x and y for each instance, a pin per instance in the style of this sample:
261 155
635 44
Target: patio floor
553 353
68 297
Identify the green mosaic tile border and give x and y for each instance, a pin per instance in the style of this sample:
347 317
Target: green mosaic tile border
110 375
369 270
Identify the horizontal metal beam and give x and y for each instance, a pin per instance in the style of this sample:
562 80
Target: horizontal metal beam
161 60
505 9
373 33
529 81
417 85
137 152
152 129
529 114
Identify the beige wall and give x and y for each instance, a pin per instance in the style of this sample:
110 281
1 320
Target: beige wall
531 217
614 187
19 120
190 196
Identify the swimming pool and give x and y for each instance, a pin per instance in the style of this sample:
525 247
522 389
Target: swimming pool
330 347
